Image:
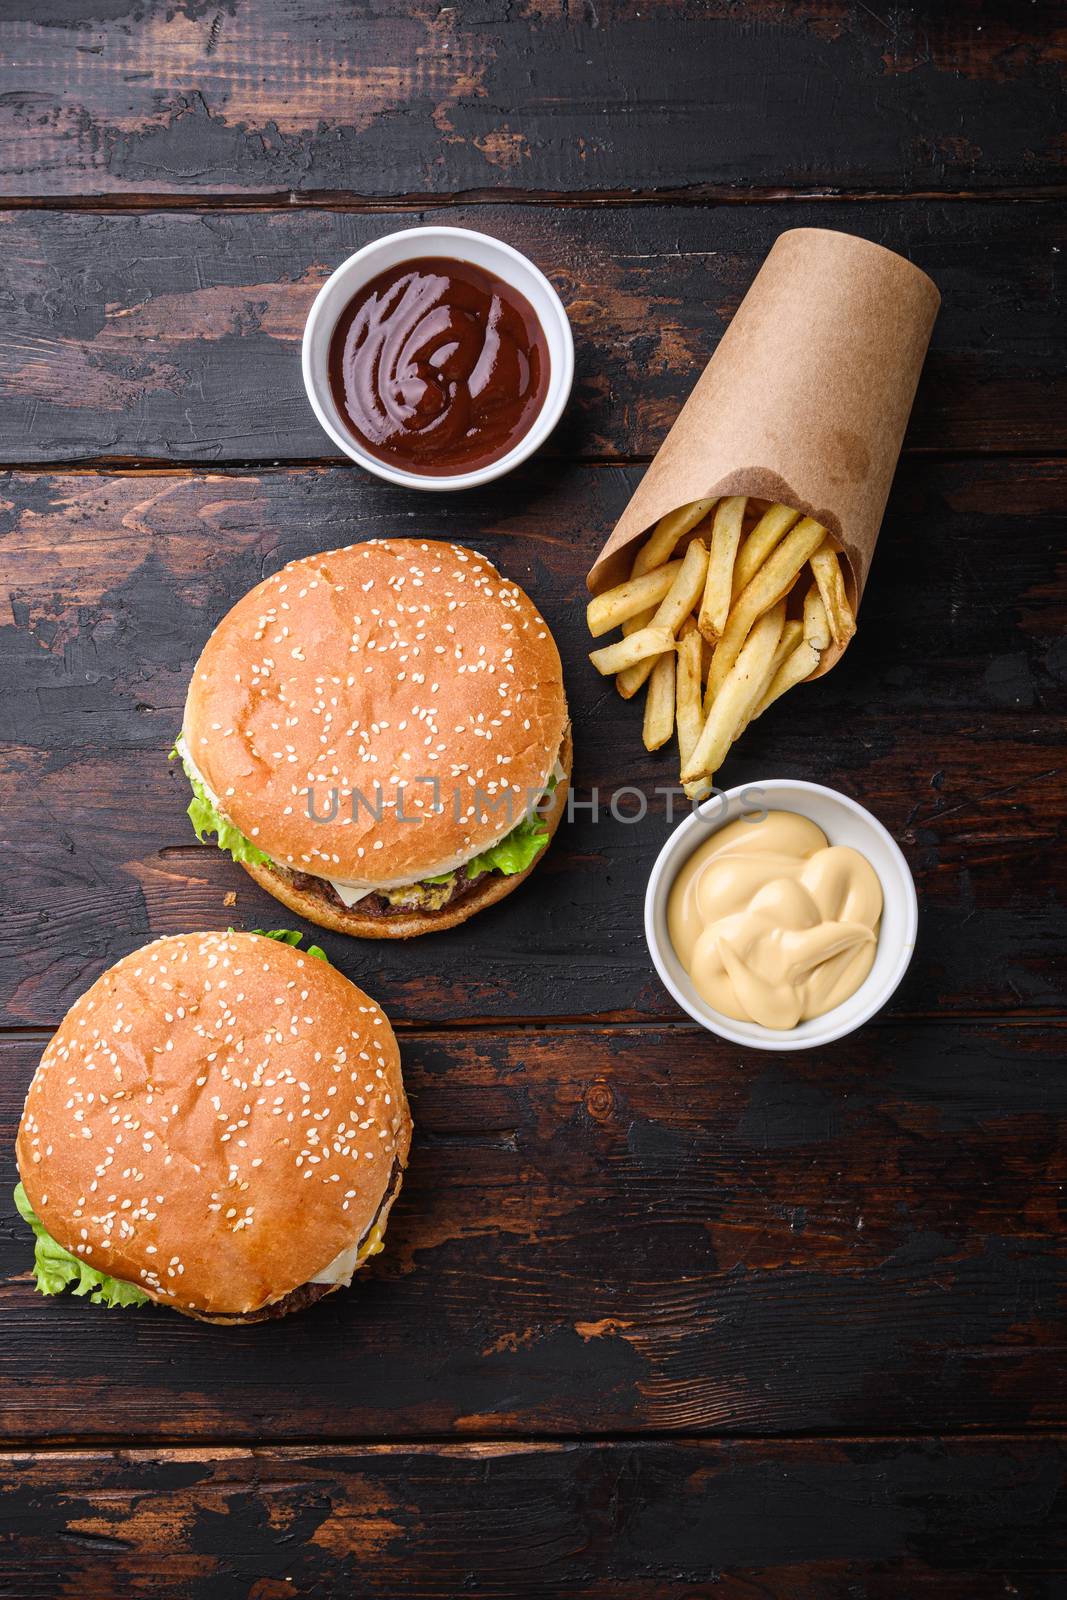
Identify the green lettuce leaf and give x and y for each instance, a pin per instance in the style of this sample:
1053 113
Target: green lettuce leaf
291 936
518 849
56 1269
206 820
514 852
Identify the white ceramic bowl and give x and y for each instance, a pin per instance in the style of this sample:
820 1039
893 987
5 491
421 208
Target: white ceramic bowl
461 245
843 822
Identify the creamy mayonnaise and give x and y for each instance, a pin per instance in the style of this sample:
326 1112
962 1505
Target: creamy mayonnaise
772 923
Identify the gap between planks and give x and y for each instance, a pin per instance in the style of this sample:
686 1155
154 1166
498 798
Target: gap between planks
164 466
620 1023
455 1444
694 195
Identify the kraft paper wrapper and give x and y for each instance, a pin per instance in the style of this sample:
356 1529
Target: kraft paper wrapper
805 401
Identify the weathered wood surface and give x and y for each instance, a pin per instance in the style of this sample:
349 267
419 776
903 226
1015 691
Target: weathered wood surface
945 718
393 99
632 1229
833 1520
192 351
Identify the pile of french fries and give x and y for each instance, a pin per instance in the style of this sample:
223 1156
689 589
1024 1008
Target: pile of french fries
729 603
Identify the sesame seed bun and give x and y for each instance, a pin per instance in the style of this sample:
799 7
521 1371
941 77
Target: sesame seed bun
314 900
217 1120
404 677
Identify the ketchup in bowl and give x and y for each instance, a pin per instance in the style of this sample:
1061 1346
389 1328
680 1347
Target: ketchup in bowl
438 367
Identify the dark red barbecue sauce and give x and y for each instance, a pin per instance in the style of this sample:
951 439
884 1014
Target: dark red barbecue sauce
438 367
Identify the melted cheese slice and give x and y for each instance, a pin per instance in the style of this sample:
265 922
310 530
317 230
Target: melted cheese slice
342 1267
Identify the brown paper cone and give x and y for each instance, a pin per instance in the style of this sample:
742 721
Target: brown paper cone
805 401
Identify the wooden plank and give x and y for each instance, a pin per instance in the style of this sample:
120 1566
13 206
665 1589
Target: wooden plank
632 1229
817 1520
307 97
178 336
946 719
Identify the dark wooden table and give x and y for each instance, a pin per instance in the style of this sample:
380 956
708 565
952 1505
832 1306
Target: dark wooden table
659 1318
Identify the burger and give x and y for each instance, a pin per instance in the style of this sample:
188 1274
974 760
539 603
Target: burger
219 1125
379 735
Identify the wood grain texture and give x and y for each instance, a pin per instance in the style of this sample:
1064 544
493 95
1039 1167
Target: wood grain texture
393 98
945 718
631 1230
823 1520
177 337
615 1242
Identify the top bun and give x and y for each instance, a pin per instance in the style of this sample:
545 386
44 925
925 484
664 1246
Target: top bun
395 676
215 1121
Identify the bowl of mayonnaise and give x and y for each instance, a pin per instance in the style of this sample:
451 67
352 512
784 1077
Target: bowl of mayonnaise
781 915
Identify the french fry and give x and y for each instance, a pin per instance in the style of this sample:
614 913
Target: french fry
722 553
688 715
769 531
693 721
816 624
633 678
793 670
792 635
828 575
616 606
659 703
734 701
634 625
642 620
706 650
685 591
667 533
707 629
773 580
671 612
626 652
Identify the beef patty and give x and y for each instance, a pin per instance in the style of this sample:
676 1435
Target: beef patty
376 905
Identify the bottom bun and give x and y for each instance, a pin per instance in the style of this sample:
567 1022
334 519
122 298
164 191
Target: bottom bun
321 905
